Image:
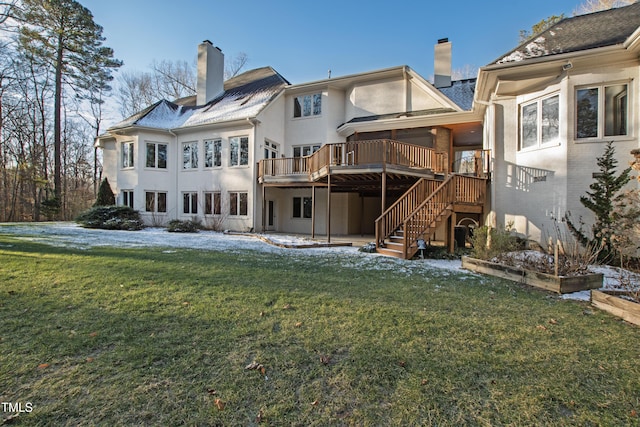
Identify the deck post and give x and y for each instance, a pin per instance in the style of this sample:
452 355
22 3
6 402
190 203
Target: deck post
384 191
451 233
264 208
329 208
313 211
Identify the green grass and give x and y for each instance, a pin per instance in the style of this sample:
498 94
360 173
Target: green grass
115 337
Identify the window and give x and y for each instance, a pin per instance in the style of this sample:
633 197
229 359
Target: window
602 111
213 153
127 154
239 148
305 150
127 198
270 150
238 203
540 122
190 203
212 203
307 105
156 155
302 207
190 155
155 201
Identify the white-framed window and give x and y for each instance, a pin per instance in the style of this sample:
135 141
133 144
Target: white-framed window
155 201
239 151
307 105
190 202
238 203
127 154
305 150
302 207
270 150
156 155
189 155
602 111
213 153
539 122
127 198
212 203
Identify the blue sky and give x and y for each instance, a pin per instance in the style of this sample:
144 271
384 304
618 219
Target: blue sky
303 39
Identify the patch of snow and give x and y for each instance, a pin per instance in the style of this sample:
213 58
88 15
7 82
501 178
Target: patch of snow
71 235
532 50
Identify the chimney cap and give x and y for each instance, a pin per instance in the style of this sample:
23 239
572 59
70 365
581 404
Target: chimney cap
207 41
444 40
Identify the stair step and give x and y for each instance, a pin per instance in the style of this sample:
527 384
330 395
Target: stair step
396 246
389 252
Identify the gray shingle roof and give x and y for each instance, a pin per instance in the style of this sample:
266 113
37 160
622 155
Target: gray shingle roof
244 97
600 29
461 92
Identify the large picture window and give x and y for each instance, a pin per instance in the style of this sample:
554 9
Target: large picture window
156 201
539 122
238 203
307 105
239 151
602 111
190 155
213 153
156 155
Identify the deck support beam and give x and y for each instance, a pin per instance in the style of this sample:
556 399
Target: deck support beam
329 208
264 208
313 211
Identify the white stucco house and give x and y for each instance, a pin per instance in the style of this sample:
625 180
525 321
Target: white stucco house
550 106
386 152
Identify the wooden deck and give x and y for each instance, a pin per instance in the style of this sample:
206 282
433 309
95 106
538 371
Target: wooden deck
354 158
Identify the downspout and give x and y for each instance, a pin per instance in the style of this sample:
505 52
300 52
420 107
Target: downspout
254 122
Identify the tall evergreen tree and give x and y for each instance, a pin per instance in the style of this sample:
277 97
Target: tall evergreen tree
105 195
63 36
601 200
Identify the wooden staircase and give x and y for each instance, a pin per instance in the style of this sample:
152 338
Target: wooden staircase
422 209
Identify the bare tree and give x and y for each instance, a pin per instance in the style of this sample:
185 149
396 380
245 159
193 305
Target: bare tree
63 36
173 80
6 10
467 71
235 65
170 80
590 6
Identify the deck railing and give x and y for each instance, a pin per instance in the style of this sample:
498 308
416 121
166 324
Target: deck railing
395 215
427 208
356 154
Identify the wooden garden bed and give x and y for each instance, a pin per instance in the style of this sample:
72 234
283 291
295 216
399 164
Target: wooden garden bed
610 302
549 282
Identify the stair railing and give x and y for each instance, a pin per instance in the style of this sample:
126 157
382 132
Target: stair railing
393 217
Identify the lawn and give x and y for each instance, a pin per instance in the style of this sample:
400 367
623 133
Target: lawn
163 336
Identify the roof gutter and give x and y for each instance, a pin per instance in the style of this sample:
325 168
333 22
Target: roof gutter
410 122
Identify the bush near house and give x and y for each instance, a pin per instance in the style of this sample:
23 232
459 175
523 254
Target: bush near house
180 226
489 242
111 218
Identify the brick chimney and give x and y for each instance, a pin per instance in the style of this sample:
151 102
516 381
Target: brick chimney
210 73
442 64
